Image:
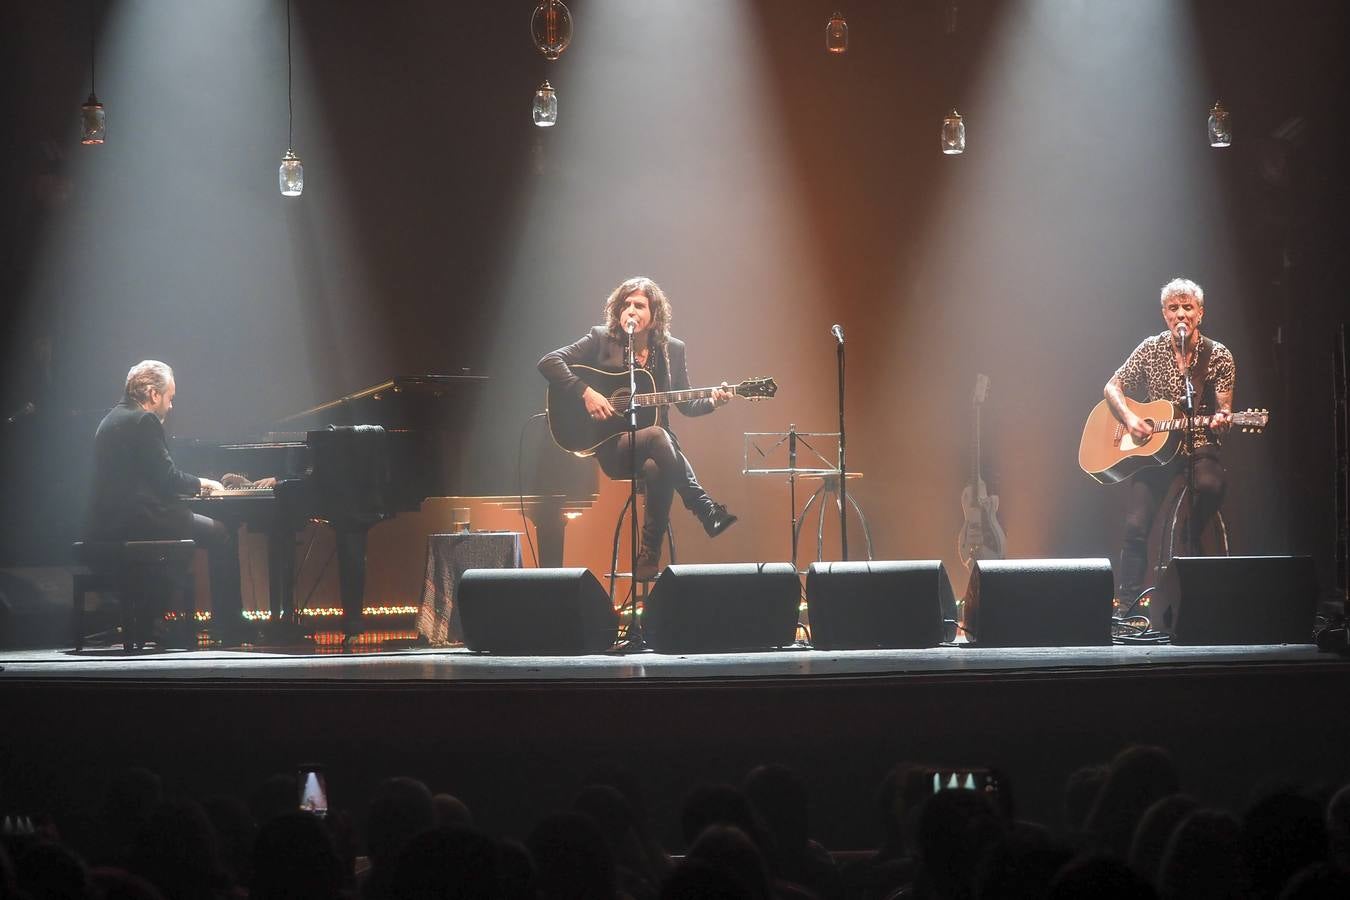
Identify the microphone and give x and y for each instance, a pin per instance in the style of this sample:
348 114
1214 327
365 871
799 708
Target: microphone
1181 336
838 333
630 324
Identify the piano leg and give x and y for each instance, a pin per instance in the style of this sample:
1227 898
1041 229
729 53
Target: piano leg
550 528
351 554
281 583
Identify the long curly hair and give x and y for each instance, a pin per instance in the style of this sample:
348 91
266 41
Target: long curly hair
656 299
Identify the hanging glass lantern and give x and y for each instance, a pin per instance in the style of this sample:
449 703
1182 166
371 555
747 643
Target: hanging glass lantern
836 34
291 175
545 106
551 28
953 134
1220 128
93 121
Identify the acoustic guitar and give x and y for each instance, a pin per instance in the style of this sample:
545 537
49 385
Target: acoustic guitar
981 536
576 432
1108 453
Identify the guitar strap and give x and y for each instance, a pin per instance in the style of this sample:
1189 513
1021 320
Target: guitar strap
1208 401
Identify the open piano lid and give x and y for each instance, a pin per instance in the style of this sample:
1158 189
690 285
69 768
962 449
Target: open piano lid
404 400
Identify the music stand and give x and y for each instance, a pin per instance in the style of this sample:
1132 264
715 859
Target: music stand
779 454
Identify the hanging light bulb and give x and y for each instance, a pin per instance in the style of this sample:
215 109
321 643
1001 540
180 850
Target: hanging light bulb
291 175
950 15
545 106
836 34
93 121
551 28
1220 129
953 134
93 118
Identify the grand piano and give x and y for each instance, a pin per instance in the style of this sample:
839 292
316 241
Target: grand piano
366 457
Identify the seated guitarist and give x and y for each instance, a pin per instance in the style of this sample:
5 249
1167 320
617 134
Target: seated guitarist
1156 370
641 302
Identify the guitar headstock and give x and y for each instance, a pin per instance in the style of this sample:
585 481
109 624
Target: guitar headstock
981 389
761 388
1252 421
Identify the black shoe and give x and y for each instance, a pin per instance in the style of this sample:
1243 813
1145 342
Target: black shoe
717 520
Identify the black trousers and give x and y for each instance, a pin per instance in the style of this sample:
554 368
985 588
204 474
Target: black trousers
1147 490
666 472
222 556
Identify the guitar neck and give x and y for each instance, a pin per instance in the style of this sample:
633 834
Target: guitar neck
662 398
975 452
1180 423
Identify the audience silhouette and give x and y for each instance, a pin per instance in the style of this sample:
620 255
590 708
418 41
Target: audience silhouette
1127 831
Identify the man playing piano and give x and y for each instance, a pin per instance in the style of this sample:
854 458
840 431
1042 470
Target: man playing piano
138 492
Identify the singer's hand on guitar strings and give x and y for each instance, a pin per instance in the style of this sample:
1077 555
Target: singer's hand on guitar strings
597 404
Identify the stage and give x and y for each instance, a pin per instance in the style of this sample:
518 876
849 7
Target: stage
515 737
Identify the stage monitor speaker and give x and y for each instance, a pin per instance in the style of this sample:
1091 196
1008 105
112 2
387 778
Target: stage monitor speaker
1040 603
860 605
535 611
1237 600
716 608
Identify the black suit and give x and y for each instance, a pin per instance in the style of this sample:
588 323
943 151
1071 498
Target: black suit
138 490
665 469
138 495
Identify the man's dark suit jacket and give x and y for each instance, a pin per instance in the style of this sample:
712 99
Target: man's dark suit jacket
137 491
600 350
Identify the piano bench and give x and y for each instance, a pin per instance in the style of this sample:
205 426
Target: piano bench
143 575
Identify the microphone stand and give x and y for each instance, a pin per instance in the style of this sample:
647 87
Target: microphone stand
1192 531
792 486
634 636
843 453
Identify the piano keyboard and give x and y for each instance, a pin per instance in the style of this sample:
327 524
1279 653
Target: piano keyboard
237 492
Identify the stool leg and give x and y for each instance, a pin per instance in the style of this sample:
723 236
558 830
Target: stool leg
614 557
77 612
126 607
189 613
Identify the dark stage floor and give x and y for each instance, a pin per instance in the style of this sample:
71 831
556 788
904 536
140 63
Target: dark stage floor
516 736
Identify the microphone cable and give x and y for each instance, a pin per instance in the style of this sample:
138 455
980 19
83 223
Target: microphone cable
520 484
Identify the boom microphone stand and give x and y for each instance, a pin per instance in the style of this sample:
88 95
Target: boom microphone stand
838 333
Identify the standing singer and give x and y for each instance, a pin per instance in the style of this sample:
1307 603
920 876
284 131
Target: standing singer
1157 369
640 306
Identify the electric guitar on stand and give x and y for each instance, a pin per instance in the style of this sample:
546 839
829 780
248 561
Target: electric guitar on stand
981 536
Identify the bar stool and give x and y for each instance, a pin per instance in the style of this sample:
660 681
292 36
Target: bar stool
639 587
143 574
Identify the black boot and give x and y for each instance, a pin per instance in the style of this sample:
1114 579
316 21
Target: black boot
716 519
648 564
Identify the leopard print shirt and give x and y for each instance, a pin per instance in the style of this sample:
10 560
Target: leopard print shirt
1151 370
